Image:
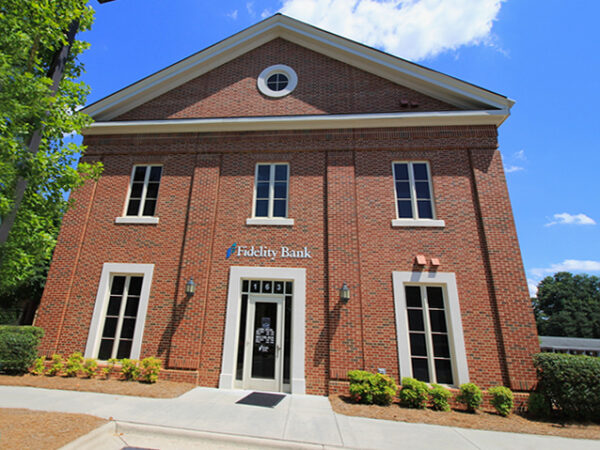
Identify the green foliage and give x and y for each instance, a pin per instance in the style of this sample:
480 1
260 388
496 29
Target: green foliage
414 393
38 367
570 384
538 406
90 365
502 399
106 371
130 368
57 366
371 388
470 396
440 397
74 364
18 347
568 305
30 34
149 369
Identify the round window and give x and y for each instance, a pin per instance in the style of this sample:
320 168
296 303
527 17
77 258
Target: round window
277 81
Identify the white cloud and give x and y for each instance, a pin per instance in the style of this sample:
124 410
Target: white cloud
233 15
568 265
532 285
412 29
520 155
511 169
250 8
571 219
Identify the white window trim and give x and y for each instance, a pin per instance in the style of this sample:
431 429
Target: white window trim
143 220
102 296
234 297
291 75
455 330
270 220
132 219
415 221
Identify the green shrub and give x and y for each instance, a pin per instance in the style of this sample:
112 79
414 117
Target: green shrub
90 365
371 388
538 406
74 364
38 367
149 369
502 400
470 396
570 384
110 365
440 397
57 366
18 347
414 393
130 368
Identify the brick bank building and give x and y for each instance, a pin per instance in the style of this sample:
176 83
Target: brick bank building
332 207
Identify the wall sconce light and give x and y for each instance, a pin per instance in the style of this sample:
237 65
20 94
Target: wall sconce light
190 287
345 293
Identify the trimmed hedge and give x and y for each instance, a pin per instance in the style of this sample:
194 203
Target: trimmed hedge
571 383
18 347
371 388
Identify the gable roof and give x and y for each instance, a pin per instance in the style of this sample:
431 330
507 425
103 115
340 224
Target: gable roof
468 97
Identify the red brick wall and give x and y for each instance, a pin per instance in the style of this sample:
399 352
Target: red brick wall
342 201
325 86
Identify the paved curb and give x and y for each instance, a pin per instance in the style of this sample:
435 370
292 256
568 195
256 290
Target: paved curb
92 439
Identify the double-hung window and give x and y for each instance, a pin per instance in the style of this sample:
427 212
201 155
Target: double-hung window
271 185
143 191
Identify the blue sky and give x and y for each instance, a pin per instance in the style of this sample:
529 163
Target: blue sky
542 53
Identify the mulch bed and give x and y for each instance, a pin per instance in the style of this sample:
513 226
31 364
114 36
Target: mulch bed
482 420
160 389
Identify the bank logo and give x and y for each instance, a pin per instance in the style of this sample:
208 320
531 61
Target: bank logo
230 250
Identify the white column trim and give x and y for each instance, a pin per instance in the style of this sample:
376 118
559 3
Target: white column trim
457 341
298 277
109 269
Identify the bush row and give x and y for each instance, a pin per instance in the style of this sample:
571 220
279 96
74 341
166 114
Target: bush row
146 370
18 347
378 389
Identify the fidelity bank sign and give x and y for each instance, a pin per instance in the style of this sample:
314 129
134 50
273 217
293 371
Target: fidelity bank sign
263 251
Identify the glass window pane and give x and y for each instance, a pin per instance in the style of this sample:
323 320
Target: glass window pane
110 327
403 189
435 297
133 207
152 191
281 172
437 319
420 369
280 190
114 305
255 286
425 211
128 328
149 207
245 286
422 188
262 208
264 172
135 286
132 306
262 190
279 207
415 320
155 173
140 173
443 371
267 287
420 171
105 352
288 287
118 285
124 349
404 209
417 344
440 345
278 287
401 171
136 190
413 296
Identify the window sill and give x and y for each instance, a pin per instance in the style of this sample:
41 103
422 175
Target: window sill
418 223
137 220
277 221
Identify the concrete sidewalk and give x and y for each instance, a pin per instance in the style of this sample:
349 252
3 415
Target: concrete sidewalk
210 418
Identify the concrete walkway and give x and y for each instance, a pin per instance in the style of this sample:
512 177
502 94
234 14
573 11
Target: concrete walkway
210 418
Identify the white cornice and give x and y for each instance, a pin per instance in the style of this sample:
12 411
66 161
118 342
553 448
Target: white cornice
435 84
312 122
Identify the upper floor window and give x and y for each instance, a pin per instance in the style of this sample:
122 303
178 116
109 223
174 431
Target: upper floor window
414 199
143 191
271 190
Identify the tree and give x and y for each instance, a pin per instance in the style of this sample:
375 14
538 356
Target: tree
30 34
568 305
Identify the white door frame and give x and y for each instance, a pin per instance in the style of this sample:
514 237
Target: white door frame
230 339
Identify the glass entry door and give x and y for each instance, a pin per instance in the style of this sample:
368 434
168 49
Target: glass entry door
264 344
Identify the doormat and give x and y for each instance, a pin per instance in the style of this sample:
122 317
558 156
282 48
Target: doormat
261 399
